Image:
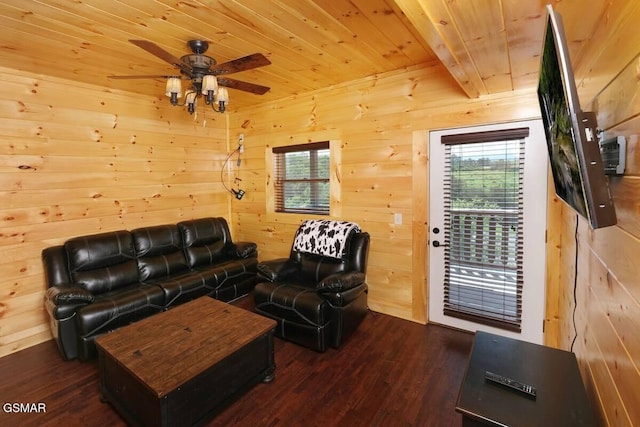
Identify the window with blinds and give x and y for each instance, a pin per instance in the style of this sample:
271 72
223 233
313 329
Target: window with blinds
302 178
484 227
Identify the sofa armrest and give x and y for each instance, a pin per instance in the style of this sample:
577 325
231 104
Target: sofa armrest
241 250
340 282
62 301
276 270
68 294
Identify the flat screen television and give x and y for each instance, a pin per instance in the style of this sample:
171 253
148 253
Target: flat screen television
572 140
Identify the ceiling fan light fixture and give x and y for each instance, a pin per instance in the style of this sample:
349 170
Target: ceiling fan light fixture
202 70
174 89
198 61
222 99
191 100
209 87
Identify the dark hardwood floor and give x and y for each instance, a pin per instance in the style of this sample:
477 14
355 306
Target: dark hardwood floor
391 372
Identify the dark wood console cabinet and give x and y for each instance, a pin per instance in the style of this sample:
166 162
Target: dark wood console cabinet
560 400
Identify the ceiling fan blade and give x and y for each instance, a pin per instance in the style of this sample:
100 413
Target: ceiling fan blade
156 50
241 64
240 85
141 77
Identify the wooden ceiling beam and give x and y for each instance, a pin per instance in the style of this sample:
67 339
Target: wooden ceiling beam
434 23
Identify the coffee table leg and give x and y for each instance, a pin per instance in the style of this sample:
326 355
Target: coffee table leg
269 375
101 387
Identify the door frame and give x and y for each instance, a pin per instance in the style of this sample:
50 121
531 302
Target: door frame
536 167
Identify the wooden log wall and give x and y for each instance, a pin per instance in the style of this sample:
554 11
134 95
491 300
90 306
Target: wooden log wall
76 160
607 284
381 124
601 266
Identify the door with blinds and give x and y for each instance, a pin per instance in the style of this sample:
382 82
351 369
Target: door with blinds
487 221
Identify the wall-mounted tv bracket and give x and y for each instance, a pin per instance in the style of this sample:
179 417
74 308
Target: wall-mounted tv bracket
613 152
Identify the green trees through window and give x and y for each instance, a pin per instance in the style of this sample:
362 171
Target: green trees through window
484 182
302 182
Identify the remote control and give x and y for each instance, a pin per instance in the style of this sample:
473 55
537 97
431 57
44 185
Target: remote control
527 389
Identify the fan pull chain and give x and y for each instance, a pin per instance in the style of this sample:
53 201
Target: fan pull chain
204 115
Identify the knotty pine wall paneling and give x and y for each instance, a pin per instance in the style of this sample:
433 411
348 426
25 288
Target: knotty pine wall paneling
381 123
601 266
77 159
607 286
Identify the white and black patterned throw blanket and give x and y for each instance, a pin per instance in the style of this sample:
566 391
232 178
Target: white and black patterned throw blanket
324 237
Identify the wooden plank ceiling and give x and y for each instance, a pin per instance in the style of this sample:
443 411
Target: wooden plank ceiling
488 46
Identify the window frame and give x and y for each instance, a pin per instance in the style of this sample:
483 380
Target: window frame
312 179
295 216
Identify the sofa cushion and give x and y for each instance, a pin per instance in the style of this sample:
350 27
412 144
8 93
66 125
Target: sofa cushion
314 267
159 251
102 262
118 308
293 302
231 279
205 240
220 274
179 288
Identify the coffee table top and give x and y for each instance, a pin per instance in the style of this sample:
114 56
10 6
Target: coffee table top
167 349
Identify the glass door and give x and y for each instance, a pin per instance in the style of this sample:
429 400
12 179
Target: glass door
487 229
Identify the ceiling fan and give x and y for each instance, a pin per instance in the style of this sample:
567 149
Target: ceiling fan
197 67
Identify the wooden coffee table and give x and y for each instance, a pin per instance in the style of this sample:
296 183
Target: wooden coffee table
182 366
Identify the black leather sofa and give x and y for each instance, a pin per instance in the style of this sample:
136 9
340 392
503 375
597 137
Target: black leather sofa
317 300
100 282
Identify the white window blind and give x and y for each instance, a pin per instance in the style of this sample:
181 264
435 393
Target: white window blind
484 227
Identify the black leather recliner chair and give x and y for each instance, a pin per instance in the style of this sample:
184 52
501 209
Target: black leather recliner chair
318 300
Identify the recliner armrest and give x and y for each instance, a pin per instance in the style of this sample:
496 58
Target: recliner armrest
344 298
340 282
276 269
241 250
